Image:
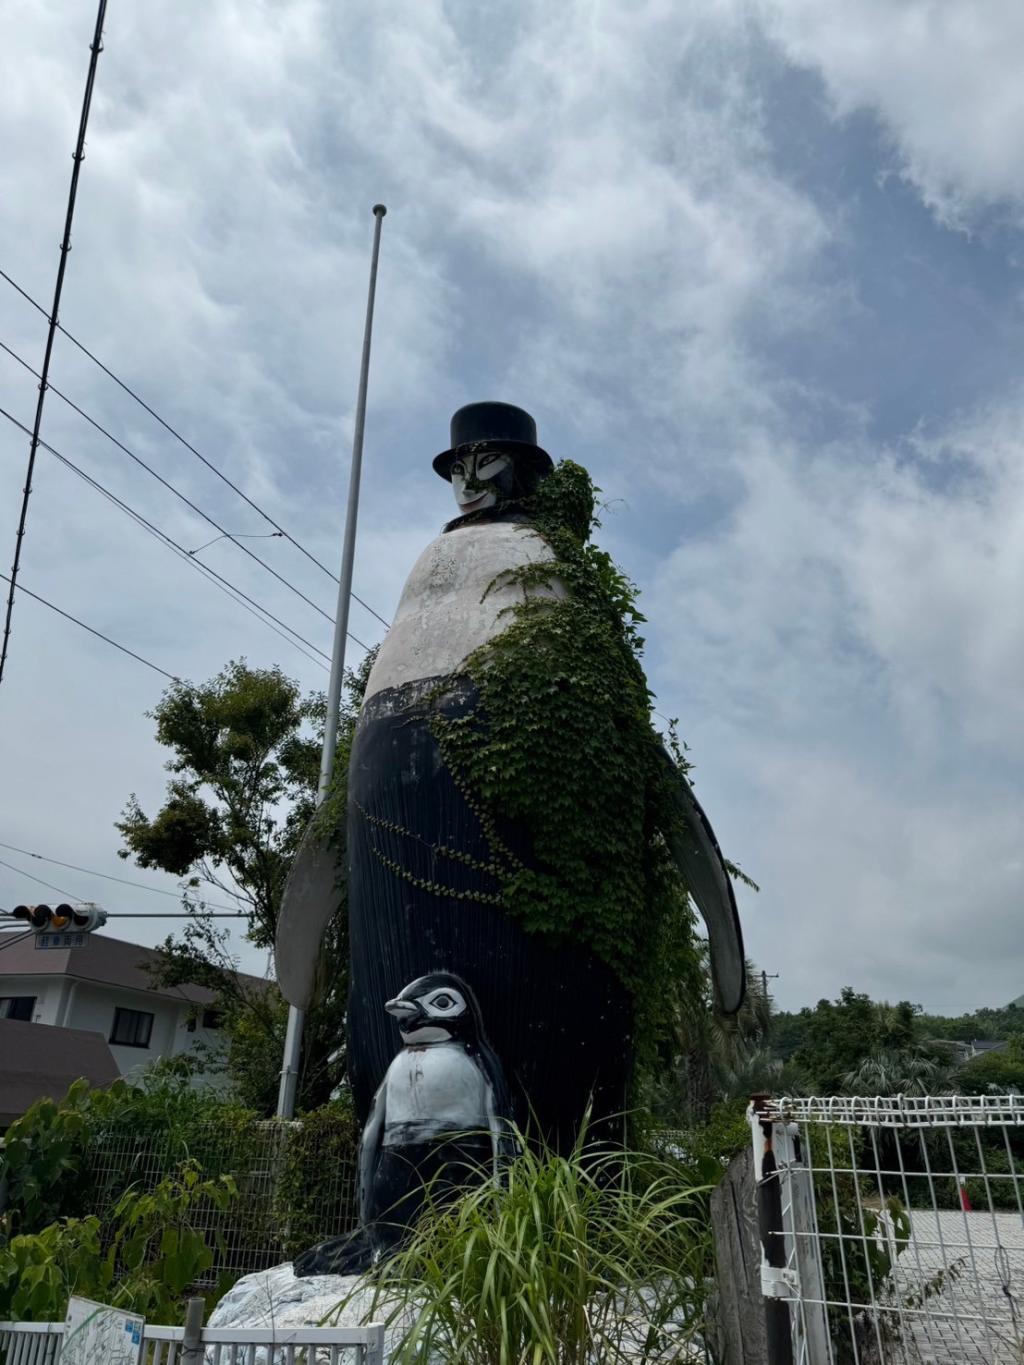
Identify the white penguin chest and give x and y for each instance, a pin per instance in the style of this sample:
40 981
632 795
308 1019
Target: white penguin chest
446 610
433 1089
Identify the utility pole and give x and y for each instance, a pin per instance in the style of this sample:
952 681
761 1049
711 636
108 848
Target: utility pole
296 1017
78 156
765 978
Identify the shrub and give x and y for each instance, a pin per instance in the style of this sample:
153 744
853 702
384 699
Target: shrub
145 1261
601 1255
46 1150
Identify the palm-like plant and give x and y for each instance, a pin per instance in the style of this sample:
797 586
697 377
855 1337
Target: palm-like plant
903 1071
711 1053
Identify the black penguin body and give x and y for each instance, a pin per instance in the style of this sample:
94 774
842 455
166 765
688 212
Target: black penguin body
558 1017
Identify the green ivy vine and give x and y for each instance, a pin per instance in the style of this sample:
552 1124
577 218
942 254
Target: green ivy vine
561 740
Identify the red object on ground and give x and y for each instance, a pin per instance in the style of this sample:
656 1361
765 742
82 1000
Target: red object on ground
965 1203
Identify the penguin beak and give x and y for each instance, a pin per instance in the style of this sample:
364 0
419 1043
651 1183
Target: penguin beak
402 1009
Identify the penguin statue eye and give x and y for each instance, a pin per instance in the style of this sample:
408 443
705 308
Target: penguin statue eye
445 1002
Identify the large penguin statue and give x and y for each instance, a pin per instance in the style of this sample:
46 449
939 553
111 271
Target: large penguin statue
422 894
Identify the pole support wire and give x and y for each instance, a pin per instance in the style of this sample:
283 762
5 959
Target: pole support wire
95 48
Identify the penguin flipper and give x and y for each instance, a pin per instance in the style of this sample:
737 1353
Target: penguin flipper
699 859
312 893
369 1150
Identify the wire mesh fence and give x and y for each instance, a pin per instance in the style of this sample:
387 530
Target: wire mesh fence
296 1186
893 1228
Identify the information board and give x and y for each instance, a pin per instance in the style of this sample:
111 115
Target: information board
93 1332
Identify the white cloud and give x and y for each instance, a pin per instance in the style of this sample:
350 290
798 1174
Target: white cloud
853 646
944 80
589 214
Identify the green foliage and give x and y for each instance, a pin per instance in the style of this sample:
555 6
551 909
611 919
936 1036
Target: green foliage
562 742
236 754
837 1036
993 1073
594 1256
245 759
45 1150
325 1139
144 1261
984 1023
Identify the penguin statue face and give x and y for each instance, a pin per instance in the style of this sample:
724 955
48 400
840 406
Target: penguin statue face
435 1009
471 475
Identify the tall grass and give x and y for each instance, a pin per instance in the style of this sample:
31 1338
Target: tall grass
600 1256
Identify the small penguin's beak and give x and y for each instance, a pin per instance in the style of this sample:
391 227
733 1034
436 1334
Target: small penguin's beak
402 1009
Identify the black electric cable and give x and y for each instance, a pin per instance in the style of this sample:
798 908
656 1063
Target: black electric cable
230 589
188 446
78 156
91 872
177 493
92 631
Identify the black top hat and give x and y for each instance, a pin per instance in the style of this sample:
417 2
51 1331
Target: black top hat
498 426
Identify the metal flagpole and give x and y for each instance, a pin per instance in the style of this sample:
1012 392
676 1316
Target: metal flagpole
293 1036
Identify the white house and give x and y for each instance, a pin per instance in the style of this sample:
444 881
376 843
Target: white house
103 986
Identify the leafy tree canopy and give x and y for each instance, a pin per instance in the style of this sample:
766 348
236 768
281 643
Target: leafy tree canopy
244 763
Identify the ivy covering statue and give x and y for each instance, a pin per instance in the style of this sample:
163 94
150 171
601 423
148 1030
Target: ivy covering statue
511 819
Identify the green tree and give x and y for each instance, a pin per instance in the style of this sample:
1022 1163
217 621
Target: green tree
708 1057
838 1036
993 1073
244 761
901 1071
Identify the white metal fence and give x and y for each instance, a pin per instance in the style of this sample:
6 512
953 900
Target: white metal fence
892 1229
39 1343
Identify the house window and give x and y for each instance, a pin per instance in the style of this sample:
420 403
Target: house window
211 1018
132 1028
17 1007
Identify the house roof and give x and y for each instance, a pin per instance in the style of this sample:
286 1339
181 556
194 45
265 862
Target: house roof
40 1060
107 961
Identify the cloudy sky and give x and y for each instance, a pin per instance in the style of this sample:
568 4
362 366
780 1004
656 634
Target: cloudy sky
758 266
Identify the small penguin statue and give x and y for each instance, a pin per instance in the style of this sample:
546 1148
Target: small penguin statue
440 1120
441 1115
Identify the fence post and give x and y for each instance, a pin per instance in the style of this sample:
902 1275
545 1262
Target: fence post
192 1341
374 1352
803 1247
776 1282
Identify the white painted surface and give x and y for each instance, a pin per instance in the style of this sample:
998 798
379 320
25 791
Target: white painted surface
72 1003
437 1088
443 615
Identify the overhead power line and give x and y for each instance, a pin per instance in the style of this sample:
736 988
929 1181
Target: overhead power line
187 444
230 589
60 890
91 872
78 156
92 631
171 488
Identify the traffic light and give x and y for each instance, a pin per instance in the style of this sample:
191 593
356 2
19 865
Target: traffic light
62 919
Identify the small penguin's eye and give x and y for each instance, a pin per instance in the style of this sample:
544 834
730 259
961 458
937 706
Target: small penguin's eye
445 1002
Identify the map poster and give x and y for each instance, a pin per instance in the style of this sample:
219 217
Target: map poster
95 1334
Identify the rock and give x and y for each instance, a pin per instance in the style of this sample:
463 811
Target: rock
280 1298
